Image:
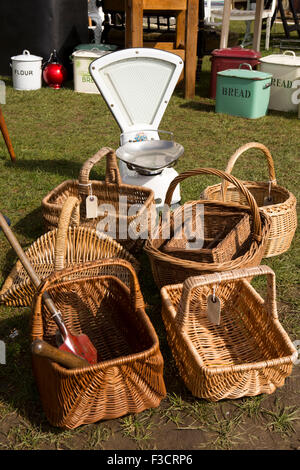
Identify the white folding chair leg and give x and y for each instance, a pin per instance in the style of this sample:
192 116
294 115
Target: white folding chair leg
268 31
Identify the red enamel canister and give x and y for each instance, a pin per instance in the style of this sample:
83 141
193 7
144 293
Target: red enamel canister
230 58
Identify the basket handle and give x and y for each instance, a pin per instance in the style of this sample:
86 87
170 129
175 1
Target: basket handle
192 283
112 174
69 216
136 295
257 232
238 153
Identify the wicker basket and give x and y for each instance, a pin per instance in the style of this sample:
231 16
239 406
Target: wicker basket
129 375
59 248
135 199
282 209
168 269
223 234
246 354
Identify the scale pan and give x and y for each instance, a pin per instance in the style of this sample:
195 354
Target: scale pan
150 154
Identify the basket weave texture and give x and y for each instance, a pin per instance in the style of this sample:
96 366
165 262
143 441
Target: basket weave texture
282 210
125 213
247 354
169 269
128 377
68 245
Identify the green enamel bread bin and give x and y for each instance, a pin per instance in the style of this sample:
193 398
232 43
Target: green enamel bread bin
243 92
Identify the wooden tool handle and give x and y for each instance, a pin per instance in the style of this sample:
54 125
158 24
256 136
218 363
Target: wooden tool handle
67 359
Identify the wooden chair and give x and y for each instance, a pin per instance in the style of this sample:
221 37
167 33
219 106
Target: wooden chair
185 44
6 137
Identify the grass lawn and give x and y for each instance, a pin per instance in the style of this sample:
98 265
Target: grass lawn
53 133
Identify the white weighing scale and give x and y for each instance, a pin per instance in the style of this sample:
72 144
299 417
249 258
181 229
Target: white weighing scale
137 85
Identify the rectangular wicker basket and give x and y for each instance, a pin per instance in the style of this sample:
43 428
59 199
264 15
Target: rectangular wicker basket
223 234
247 354
103 301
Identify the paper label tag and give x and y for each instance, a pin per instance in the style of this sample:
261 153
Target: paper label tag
91 207
214 309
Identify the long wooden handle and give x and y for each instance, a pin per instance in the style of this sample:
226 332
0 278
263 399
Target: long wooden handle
6 137
67 359
26 263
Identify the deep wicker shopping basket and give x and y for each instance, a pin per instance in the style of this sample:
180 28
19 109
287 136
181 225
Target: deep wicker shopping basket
168 269
281 207
68 245
128 377
127 208
246 354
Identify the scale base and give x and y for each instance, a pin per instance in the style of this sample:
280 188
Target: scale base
158 183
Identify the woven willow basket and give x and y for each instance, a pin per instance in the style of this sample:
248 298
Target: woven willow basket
246 354
282 210
128 377
136 203
168 269
68 245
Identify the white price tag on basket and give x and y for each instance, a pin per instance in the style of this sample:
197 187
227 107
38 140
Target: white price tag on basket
91 207
214 309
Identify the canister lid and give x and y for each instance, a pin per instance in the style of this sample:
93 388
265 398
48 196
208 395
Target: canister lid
236 52
247 73
26 57
92 53
287 58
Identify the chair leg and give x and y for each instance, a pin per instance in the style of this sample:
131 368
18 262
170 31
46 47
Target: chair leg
268 31
6 137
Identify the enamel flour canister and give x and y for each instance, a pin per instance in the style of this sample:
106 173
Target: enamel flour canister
26 71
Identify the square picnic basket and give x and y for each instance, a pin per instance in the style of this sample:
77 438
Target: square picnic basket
102 300
126 206
274 200
242 241
246 353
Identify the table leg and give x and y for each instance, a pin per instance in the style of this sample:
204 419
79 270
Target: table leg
191 48
257 24
225 24
6 137
134 23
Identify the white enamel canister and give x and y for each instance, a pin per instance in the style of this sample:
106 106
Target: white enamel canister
26 71
285 69
83 81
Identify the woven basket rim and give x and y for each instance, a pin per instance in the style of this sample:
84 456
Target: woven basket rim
291 199
255 245
52 283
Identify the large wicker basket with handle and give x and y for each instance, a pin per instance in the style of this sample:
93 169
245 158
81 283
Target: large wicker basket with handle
246 354
68 245
124 206
102 300
169 269
274 200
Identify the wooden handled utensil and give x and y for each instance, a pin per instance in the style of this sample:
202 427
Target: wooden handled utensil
79 345
65 358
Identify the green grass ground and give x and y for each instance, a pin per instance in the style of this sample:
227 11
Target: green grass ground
53 133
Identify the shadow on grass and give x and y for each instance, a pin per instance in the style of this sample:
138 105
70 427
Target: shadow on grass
69 169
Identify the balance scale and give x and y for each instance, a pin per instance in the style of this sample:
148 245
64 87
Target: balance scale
137 85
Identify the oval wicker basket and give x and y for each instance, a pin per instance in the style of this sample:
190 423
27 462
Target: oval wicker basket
59 248
108 192
282 210
104 301
246 354
168 269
